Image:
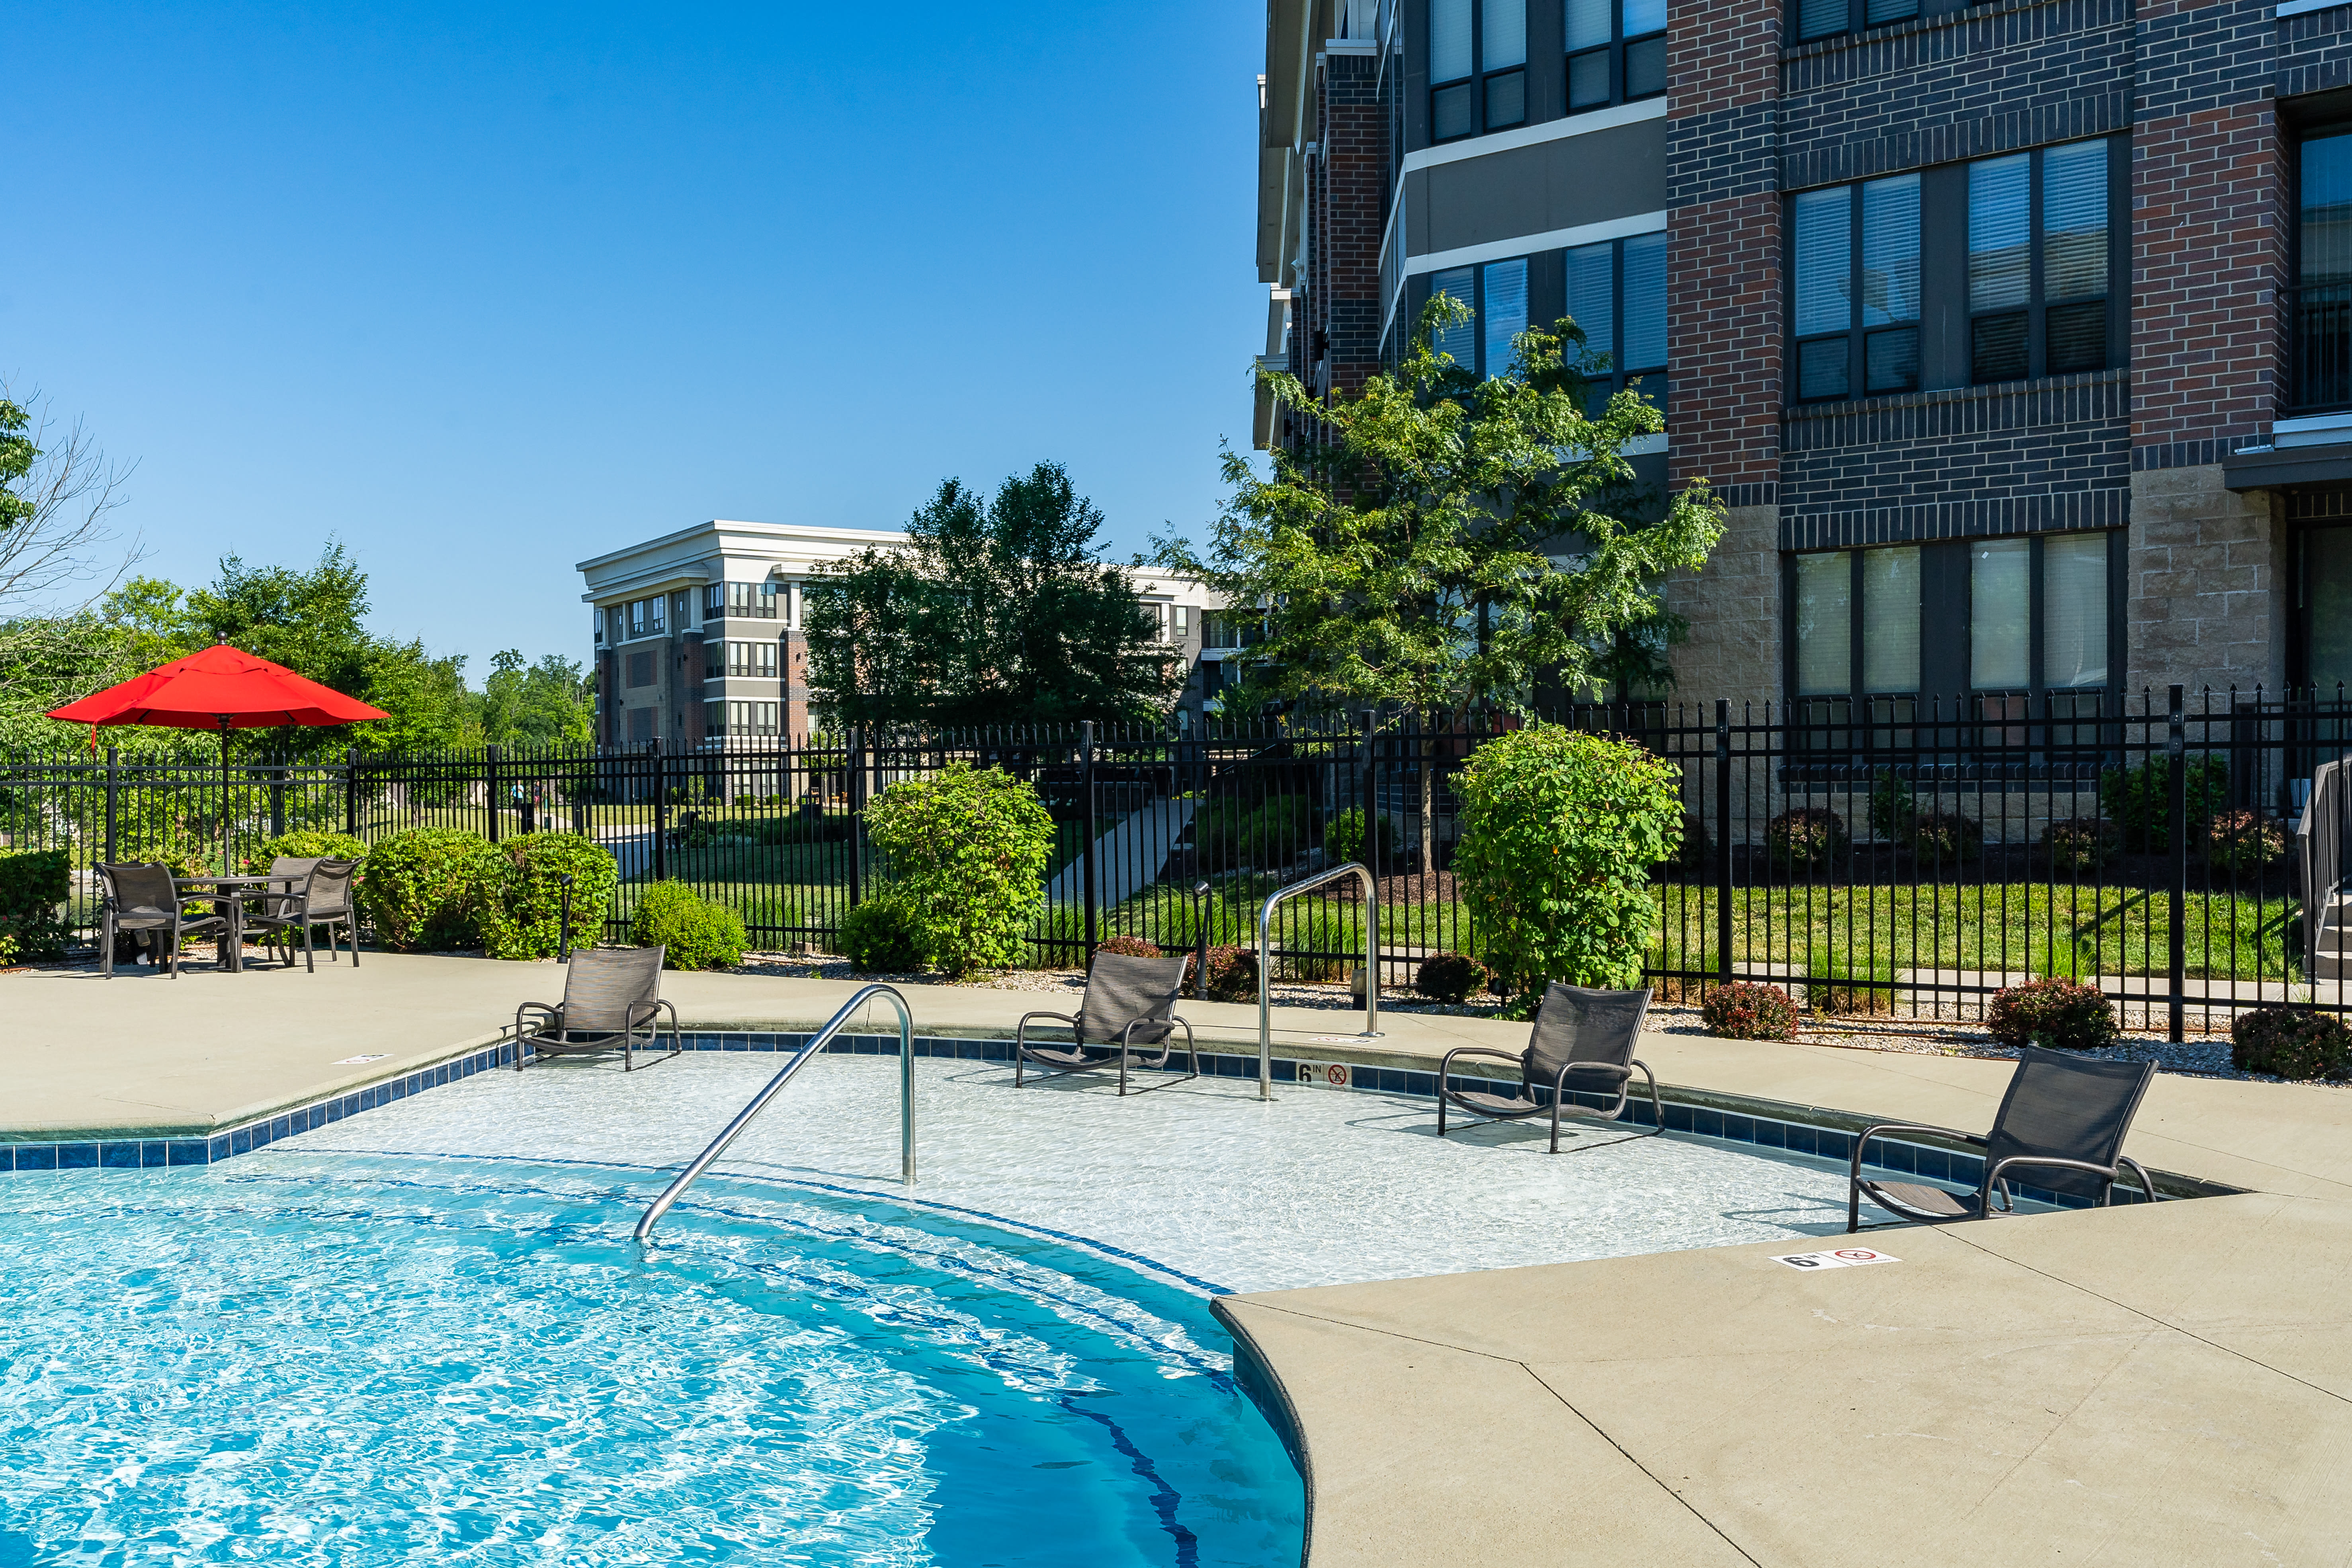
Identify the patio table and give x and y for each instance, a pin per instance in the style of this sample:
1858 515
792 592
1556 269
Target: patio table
228 894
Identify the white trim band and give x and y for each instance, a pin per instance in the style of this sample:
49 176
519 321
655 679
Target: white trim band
1529 244
1579 125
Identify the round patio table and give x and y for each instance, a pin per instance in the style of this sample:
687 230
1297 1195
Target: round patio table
228 894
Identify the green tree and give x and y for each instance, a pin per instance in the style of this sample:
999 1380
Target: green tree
995 614
1450 545
967 849
552 703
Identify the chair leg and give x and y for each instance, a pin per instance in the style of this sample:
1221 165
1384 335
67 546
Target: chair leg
106 953
310 949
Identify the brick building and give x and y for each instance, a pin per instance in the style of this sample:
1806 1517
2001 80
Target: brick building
2017 336
698 634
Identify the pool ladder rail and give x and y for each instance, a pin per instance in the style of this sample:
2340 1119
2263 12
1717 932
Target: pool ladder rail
1371 887
808 1053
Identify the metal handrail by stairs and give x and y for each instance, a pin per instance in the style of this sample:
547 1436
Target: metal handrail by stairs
807 1054
1266 965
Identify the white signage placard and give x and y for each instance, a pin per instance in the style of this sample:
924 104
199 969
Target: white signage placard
1330 1074
1842 1258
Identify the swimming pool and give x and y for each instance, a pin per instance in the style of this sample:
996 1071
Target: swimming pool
424 1334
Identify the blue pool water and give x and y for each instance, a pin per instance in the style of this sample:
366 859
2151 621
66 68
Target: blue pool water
294 1359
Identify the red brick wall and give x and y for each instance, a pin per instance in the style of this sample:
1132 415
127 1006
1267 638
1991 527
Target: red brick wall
2209 242
1349 181
1723 325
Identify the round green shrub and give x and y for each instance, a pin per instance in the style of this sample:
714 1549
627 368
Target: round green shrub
2288 1043
877 937
33 886
967 849
2242 840
1231 975
1946 837
1452 978
304 844
1130 947
698 933
525 919
1343 839
423 890
1805 837
2081 844
1558 829
2053 1012
1743 1010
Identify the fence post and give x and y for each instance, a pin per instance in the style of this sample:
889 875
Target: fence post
1088 869
2175 789
1723 840
661 809
490 787
855 759
351 791
113 800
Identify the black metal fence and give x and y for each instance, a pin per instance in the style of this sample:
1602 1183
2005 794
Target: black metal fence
1897 858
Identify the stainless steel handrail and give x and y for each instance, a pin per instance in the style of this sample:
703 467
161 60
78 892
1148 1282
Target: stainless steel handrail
1265 966
808 1053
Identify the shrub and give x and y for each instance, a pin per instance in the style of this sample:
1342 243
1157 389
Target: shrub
698 933
1343 839
525 919
1130 947
1559 831
1893 807
1449 977
1804 838
1743 1010
423 890
2053 1012
1945 836
1233 974
1231 835
34 886
304 844
967 849
2081 843
1834 989
877 937
2286 1043
2243 841
2136 800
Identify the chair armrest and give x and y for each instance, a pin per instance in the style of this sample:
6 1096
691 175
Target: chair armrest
1993 1174
1867 1133
1445 1065
1560 1083
1059 1017
554 1014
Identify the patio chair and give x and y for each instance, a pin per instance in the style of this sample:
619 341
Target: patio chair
141 897
611 995
1582 1043
323 899
1129 1002
2063 1123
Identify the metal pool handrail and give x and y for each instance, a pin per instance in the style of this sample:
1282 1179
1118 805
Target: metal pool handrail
775 1085
1266 967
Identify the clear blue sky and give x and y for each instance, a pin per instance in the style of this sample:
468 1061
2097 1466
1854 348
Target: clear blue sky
485 291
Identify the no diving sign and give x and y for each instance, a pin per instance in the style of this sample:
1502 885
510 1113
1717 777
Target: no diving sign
1843 1258
1330 1074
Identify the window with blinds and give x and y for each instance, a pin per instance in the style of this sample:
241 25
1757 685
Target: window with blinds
1477 67
1460 339
1616 52
1856 303
1616 291
2075 611
2001 600
1827 19
2039 265
1504 313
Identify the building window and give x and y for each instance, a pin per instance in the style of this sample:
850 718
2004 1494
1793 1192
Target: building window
756 600
1857 288
2320 308
1477 67
1616 51
636 617
1180 622
1827 19
1617 293
756 659
744 720
656 620
1228 629
2323 591
1496 298
2038 267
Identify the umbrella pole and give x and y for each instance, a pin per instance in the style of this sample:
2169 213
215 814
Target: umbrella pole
226 870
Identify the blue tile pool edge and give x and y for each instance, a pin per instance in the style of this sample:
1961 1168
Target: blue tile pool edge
1716 1121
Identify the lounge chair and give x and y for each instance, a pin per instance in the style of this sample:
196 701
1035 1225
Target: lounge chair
2063 1123
323 897
1129 1002
1582 1043
141 897
611 995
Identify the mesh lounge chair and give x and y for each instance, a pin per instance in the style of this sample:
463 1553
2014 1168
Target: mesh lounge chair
2062 1122
1129 1002
1582 1043
323 899
140 897
612 995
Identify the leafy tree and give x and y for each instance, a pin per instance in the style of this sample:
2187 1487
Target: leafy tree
995 614
1451 543
967 849
552 703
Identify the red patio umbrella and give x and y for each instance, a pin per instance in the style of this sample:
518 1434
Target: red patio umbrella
221 689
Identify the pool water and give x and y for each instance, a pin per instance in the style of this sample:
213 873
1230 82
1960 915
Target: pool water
300 1358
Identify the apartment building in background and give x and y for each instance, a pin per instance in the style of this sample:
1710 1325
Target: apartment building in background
2016 336
698 634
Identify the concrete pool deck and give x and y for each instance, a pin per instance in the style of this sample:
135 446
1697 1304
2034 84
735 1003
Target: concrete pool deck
2131 1385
